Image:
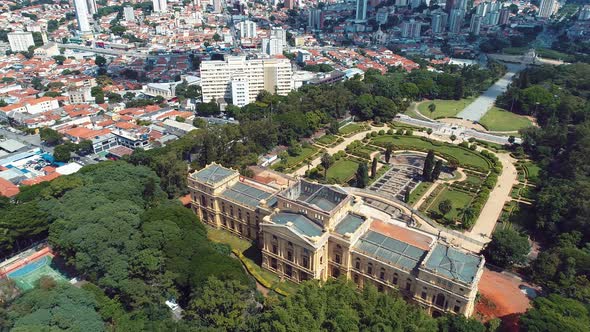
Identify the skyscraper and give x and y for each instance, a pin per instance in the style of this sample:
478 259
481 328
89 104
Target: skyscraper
92 9
547 8
361 10
247 29
315 19
439 22
289 4
475 25
82 15
504 16
160 6
456 20
272 46
411 29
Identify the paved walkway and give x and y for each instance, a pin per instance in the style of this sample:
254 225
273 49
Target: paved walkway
498 196
480 106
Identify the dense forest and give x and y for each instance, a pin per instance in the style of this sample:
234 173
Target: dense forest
558 98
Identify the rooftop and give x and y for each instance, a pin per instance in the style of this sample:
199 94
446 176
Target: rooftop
11 145
453 263
403 234
213 174
349 224
299 222
245 194
390 250
322 197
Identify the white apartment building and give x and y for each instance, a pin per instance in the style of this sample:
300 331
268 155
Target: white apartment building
129 14
82 13
272 46
20 41
272 75
547 8
160 6
247 29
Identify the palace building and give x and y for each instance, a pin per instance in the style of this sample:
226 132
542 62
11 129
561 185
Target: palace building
308 230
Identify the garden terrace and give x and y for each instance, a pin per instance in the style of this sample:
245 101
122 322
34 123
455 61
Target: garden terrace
463 156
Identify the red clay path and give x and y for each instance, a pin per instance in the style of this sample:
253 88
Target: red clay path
501 297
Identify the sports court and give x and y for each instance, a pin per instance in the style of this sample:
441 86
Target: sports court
27 276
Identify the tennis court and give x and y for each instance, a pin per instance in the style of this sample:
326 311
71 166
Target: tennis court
27 276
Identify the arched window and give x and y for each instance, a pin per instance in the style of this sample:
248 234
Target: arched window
335 272
382 274
394 280
440 300
370 268
357 264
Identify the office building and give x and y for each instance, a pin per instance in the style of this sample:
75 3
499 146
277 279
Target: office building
361 11
91 5
247 29
311 231
81 8
547 8
272 75
129 14
20 41
456 20
272 46
449 5
475 25
289 4
160 6
411 29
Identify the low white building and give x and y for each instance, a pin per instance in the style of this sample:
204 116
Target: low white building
20 41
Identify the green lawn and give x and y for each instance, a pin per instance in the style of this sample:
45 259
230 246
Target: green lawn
418 192
497 119
532 171
459 200
444 108
464 156
342 170
515 50
351 128
327 139
244 249
293 161
473 180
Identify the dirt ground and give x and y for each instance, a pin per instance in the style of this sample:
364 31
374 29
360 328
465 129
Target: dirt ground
501 296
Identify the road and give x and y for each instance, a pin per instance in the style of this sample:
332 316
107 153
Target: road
33 140
480 106
461 132
103 50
